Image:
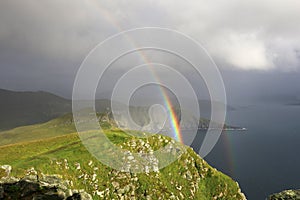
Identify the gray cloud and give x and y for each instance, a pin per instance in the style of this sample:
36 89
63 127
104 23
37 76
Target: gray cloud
243 34
42 43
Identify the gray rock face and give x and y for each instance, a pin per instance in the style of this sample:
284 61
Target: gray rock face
286 195
50 187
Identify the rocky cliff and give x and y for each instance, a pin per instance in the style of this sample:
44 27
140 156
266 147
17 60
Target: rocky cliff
286 195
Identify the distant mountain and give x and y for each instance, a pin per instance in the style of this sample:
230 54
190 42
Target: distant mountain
285 99
24 108
65 125
28 108
204 104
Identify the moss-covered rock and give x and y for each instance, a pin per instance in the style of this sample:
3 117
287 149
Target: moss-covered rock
286 195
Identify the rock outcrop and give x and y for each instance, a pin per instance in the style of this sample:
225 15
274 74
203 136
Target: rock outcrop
34 187
286 195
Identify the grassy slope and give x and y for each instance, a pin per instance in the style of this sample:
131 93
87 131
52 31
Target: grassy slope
48 156
46 147
55 127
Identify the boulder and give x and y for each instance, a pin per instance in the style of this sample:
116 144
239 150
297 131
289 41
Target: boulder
43 188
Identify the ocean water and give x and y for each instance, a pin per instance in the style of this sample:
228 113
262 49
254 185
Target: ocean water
264 159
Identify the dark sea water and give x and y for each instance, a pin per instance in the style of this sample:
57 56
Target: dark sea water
264 159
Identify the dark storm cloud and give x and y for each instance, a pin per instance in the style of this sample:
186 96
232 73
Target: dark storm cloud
42 43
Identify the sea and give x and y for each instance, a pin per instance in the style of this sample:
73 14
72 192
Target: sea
265 159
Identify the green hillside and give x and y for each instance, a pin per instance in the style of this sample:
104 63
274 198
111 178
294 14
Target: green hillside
54 147
55 127
190 177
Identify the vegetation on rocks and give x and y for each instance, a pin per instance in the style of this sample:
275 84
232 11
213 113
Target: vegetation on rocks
57 151
286 195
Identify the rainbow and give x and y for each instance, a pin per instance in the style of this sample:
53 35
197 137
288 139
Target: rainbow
173 117
229 151
176 132
168 103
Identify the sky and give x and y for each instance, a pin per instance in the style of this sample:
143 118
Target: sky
255 43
